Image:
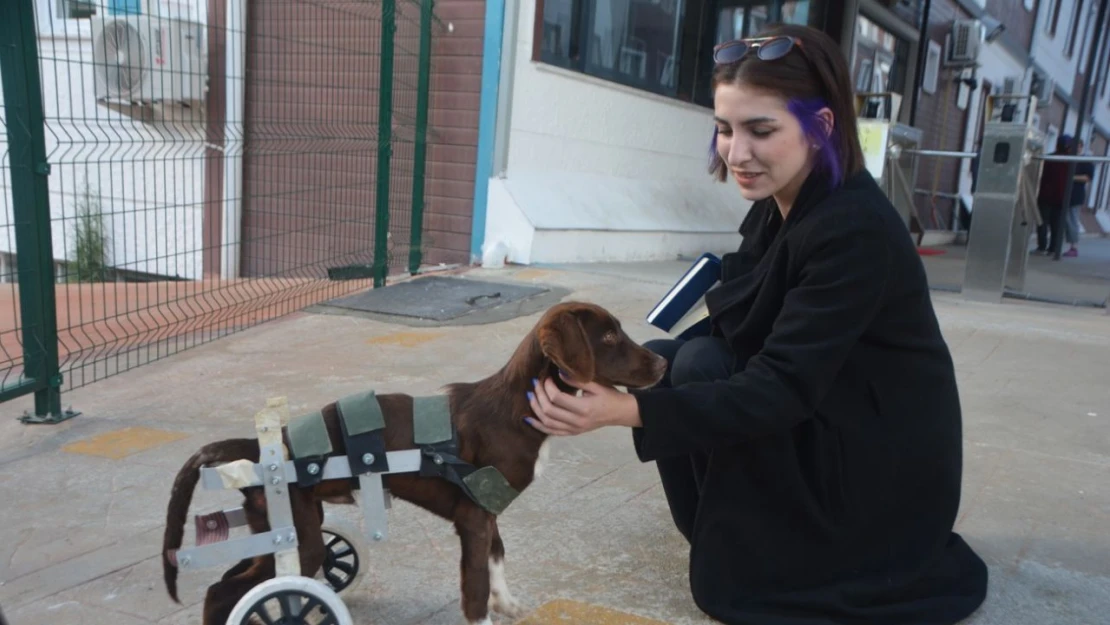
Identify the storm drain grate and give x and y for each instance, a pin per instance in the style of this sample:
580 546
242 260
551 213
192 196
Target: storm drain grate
436 298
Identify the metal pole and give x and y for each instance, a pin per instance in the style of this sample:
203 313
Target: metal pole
419 156
922 49
19 68
1069 184
385 143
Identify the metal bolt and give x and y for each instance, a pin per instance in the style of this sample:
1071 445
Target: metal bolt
292 538
279 491
377 535
265 428
211 524
313 469
274 467
277 540
438 459
185 561
367 459
275 480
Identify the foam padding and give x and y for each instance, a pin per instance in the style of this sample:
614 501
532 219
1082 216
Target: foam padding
361 413
308 436
490 489
431 419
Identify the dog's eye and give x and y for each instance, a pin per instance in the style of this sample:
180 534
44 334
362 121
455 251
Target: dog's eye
610 338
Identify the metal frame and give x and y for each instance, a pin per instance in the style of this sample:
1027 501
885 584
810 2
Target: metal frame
275 472
996 254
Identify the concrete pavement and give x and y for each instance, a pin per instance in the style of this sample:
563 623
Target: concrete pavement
592 541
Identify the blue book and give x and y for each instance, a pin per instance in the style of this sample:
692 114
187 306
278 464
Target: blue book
682 312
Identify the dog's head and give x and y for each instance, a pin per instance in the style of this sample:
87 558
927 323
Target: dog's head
587 343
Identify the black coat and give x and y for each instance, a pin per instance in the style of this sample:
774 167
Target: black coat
835 450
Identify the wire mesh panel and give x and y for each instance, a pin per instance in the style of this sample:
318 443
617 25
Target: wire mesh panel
218 163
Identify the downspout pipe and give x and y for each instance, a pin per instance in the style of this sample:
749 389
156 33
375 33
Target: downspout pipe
487 122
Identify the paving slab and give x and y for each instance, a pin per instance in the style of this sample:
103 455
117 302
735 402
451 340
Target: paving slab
592 541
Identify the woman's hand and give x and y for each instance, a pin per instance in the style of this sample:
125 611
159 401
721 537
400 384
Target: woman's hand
563 414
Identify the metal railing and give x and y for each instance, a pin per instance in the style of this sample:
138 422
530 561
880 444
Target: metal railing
159 197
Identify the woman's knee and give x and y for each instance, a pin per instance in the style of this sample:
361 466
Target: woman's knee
701 359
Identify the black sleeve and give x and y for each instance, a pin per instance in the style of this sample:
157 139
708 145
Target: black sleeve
839 292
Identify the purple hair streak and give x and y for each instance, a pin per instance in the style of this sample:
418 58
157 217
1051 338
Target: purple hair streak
828 160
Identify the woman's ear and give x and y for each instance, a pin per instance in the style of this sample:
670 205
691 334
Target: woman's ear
827 120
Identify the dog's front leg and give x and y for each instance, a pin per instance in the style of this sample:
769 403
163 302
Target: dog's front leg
475 529
500 600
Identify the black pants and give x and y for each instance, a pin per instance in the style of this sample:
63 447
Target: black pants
1050 232
701 359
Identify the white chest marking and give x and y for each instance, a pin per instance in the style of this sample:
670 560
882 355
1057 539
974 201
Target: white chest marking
541 459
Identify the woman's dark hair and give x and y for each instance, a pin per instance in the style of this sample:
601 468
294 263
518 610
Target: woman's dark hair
809 79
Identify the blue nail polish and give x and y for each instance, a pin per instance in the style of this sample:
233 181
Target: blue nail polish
531 396
535 382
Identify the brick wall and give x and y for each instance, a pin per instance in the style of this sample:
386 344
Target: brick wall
453 131
944 126
1019 21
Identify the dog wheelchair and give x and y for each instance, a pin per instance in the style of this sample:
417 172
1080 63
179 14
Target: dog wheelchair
289 597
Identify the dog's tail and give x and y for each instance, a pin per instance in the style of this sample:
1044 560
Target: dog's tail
182 495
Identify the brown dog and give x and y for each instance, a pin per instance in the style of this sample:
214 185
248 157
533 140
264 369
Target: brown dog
584 340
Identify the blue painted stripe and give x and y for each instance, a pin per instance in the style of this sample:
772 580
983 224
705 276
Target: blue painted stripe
487 120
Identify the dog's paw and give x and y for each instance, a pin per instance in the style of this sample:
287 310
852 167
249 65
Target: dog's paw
505 606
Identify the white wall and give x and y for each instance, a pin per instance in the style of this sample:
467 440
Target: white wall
147 177
597 171
1050 52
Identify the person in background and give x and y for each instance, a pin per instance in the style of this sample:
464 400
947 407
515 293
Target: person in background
1084 173
1050 196
810 448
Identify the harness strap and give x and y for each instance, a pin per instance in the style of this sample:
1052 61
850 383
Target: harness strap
436 436
363 433
309 445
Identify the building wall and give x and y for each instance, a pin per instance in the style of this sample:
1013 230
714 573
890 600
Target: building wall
943 117
1049 51
600 171
453 130
98 158
1019 16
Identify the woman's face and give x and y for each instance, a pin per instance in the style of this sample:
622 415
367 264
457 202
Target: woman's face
762 143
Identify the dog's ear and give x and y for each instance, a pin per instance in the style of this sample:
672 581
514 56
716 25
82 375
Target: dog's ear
563 339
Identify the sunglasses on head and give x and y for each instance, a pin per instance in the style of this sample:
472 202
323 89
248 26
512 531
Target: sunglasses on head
766 48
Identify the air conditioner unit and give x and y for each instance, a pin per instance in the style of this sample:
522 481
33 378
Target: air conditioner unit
145 60
962 43
1043 88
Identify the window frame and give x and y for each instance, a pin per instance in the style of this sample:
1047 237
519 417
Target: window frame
697 28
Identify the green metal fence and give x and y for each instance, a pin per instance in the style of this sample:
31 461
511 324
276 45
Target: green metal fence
191 171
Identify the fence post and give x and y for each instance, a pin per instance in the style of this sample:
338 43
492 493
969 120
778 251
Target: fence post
19 66
416 238
385 143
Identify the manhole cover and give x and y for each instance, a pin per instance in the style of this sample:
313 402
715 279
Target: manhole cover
436 298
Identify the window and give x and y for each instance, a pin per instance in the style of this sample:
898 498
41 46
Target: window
75 9
661 46
1073 31
1054 16
881 58
932 68
634 42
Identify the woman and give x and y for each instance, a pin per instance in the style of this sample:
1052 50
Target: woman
1084 173
1050 199
810 449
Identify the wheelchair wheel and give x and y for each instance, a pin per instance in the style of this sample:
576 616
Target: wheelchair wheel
345 558
291 600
